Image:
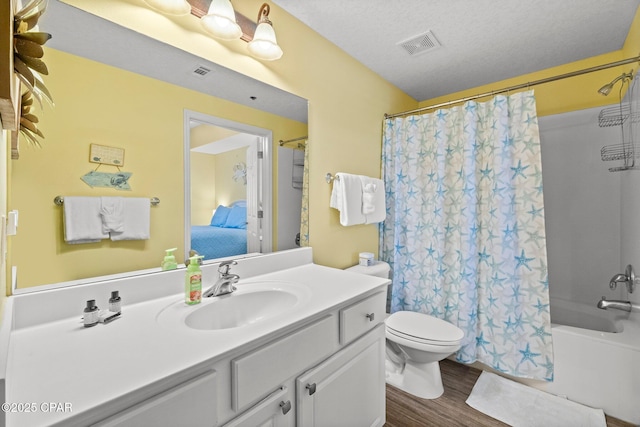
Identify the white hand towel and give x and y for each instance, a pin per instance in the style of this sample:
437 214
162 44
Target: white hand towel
136 220
112 212
82 220
368 198
336 194
373 200
346 196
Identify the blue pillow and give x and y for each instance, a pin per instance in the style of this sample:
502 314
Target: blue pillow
237 218
220 216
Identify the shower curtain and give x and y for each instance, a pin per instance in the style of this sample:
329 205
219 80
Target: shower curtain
304 212
464 231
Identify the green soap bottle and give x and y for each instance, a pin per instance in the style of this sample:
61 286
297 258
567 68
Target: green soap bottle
193 282
169 262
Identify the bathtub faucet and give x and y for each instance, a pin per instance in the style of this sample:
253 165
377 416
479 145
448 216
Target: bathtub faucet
628 278
604 304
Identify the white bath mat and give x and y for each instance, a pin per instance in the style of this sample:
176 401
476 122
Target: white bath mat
522 406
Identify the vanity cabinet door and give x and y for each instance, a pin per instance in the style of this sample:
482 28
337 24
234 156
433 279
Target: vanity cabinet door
276 410
348 389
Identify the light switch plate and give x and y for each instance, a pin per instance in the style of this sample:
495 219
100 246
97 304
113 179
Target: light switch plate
12 223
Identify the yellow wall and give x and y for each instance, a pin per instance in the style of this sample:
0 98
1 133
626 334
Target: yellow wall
203 187
108 106
203 172
212 183
227 189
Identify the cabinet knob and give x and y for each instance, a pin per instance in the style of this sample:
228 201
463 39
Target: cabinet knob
370 316
311 388
286 406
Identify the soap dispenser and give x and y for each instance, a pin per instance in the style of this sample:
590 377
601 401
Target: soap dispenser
169 262
193 282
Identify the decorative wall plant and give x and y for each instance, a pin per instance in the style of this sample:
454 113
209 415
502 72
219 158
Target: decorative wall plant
28 65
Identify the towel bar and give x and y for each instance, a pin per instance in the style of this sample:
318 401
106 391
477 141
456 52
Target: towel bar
59 200
329 178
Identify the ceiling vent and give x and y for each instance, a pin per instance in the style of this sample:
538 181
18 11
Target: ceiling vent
201 71
420 44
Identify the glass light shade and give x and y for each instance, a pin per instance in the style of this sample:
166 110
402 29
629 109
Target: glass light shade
220 21
264 44
170 7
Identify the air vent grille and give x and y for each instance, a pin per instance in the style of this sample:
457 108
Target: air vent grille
201 71
420 44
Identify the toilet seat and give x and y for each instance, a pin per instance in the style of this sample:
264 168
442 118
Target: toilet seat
423 329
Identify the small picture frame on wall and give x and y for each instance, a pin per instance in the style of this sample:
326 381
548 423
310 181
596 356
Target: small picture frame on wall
106 155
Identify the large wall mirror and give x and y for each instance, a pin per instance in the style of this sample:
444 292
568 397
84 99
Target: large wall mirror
115 87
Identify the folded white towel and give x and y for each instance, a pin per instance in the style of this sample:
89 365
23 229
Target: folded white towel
136 215
112 212
336 194
346 196
82 220
373 200
368 196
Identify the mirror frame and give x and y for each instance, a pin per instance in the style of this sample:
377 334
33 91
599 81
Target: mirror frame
265 173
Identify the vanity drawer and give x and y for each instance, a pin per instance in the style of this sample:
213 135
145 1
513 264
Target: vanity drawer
362 316
191 399
253 376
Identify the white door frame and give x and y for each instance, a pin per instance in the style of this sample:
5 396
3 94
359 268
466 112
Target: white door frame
265 139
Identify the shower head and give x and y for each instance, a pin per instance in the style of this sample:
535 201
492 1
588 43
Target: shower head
606 89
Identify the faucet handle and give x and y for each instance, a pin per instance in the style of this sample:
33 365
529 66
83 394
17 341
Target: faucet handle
225 266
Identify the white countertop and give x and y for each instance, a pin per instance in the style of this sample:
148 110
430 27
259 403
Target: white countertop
63 362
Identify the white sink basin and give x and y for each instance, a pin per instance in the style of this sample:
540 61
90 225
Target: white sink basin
240 309
252 303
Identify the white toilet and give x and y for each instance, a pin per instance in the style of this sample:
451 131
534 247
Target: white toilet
416 343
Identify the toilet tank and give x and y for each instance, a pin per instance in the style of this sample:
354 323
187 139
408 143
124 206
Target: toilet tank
378 269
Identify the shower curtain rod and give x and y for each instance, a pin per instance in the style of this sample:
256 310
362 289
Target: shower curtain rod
292 140
519 86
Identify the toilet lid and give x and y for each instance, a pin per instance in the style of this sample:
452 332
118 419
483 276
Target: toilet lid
423 327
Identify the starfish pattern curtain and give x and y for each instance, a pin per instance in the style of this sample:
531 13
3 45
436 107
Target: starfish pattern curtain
464 231
304 212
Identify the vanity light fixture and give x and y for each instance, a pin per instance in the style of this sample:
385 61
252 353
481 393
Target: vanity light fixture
264 44
220 21
170 7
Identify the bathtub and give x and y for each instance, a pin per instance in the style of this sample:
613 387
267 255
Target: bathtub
597 358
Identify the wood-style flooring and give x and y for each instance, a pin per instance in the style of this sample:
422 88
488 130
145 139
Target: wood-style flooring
450 409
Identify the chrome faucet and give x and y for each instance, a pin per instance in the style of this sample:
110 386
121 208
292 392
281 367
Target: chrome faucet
604 304
225 282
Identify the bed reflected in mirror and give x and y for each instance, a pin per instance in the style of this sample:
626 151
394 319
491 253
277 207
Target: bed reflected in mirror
228 187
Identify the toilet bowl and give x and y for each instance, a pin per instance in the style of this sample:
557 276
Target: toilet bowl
416 343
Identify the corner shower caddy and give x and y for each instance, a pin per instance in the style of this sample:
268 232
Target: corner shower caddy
625 115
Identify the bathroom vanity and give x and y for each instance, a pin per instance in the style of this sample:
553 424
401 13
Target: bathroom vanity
295 344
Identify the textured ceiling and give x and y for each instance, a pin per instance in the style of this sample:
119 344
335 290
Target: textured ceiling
482 41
